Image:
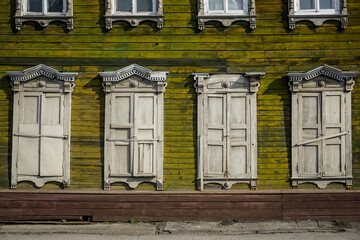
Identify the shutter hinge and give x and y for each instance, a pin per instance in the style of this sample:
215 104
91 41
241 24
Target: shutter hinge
297 168
203 102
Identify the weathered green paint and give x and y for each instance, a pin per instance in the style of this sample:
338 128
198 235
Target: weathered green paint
180 49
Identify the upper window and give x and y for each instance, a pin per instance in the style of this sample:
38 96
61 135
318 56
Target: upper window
134 7
134 12
45 7
226 12
317 11
44 12
226 6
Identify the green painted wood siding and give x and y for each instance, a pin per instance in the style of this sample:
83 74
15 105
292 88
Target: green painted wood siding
180 49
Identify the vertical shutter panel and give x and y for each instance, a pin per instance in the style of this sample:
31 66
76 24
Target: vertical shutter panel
52 135
215 127
309 128
28 148
239 135
334 123
145 144
121 132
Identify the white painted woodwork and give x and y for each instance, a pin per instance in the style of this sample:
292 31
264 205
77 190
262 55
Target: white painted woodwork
227 131
321 126
134 126
41 126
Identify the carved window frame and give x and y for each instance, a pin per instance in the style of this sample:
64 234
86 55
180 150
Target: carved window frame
317 18
226 18
321 82
227 86
134 82
43 82
21 16
134 19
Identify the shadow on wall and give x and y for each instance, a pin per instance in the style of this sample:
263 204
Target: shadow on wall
279 87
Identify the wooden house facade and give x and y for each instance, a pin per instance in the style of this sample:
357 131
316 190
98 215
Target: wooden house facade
179 109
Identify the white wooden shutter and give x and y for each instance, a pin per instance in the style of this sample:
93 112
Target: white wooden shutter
309 129
121 134
52 135
239 131
333 124
29 130
145 134
215 129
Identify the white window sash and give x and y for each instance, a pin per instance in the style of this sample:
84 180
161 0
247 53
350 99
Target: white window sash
317 9
133 9
44 8
226 9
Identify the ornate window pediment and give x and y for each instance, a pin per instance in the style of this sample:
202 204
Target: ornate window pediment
134 12
321 126
318 11
226 12
41 125
227 141
134 113
44 12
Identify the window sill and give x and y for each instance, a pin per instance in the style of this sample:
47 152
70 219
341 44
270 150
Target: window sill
317 19
226 19
134 20
44 20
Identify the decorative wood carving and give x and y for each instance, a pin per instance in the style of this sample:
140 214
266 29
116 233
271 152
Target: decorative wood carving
133 19
134 108
319 18
226 18
43 20
321 126
227 147
41 125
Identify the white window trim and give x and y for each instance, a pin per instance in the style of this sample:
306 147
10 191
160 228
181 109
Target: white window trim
44 18
226 17
296 79
44 12
318 16
110 82
133 18
253 83
19 80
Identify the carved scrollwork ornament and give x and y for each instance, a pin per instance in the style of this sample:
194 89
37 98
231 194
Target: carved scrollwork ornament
321 83
226 84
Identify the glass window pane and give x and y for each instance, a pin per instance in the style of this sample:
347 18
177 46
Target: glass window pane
144 5
327 4
55 5
35 6
124 6
216 5
307 4
236 5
